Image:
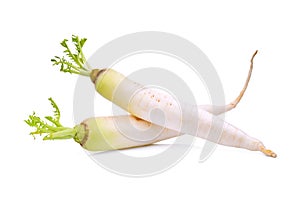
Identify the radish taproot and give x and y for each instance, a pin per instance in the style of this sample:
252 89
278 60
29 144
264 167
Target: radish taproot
140 101
103 133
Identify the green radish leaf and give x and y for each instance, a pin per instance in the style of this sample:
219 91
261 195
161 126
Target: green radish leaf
76 61
56 109
42 127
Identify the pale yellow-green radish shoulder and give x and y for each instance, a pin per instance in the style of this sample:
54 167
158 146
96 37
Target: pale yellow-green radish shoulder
106 81
114 86
101 135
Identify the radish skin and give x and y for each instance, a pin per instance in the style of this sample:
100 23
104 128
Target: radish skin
131 97
102 133
141 101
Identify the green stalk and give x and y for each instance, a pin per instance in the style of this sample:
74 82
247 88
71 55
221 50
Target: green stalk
54 130
76 61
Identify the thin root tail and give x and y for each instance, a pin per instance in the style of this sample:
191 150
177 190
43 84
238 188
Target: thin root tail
268 152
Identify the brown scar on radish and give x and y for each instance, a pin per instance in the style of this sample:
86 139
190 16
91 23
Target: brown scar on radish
141 120
86 135
136 118
96 73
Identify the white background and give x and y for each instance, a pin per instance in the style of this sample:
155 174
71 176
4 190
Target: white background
38 172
